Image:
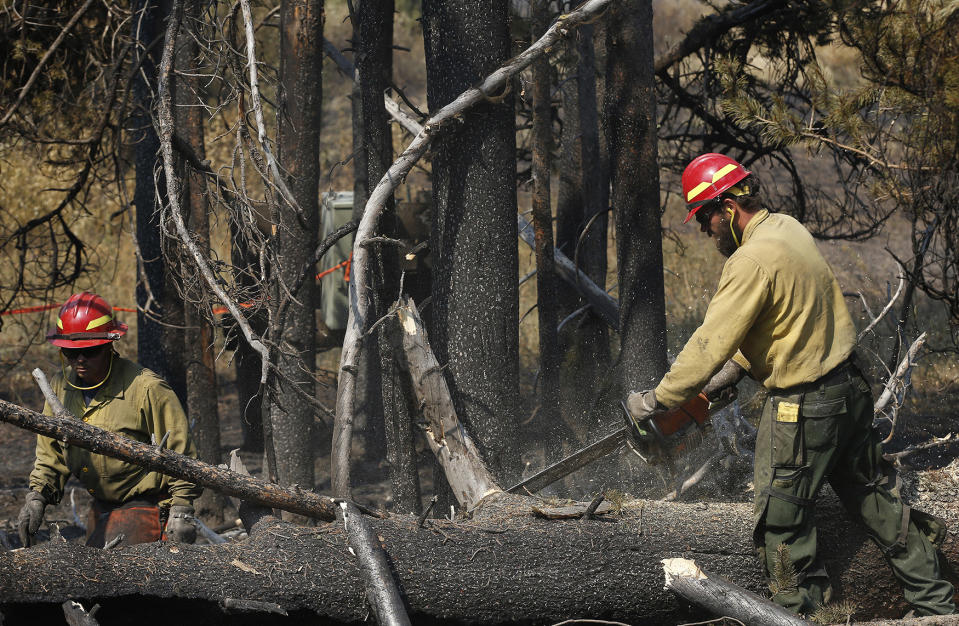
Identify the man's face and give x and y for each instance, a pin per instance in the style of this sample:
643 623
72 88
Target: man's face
89 364
714 221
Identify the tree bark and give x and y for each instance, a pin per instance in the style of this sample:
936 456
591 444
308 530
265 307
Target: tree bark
475 306
147 25
630 123
582 202
547 303
504 567
197 338
301 59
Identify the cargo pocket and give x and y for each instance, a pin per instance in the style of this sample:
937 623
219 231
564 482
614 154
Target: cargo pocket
820 422
788 449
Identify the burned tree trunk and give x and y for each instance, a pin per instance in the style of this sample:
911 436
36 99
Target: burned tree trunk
475 307
630 124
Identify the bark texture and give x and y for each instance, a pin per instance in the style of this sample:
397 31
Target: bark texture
475 307
504 567
301 58
146 27
630 123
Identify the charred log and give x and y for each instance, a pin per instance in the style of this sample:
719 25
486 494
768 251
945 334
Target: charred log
503 566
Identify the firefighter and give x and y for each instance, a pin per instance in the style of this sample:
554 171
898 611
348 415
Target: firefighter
779 315
114 393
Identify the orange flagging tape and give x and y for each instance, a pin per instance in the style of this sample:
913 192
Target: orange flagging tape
219 310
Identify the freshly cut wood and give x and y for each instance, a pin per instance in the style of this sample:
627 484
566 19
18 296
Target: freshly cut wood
504 566
66 428
722 598
458 455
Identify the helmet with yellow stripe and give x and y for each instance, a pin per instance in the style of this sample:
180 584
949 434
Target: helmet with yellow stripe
707 177
85 320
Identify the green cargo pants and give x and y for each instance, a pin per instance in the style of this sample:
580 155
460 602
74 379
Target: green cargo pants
823 432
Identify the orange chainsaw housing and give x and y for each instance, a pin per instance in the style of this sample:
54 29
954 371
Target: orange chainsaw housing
694 412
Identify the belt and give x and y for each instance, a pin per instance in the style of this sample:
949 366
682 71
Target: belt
837 375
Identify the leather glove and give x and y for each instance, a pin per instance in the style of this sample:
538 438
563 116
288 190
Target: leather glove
30 518
642 404
180 526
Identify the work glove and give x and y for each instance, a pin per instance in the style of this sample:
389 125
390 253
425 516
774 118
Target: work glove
642 404
30 518
180 526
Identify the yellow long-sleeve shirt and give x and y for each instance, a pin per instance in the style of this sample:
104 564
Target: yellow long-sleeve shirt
135 403
779 304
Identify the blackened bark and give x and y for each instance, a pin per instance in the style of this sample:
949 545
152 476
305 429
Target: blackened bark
475 311
197 337
546 296
517 569
301 57
630 124
374 63
147 24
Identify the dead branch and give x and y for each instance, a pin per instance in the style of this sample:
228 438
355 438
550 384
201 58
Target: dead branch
43 61
381 590
886 309
721 597
64 427
605 305
359 287
895 388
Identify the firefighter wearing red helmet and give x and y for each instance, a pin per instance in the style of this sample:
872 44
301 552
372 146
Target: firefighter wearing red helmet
779 314
111 392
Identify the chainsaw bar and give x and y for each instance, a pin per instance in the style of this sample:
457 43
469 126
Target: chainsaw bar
596 450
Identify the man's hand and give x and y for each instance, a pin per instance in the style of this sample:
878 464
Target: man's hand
30 518
180 527
642 404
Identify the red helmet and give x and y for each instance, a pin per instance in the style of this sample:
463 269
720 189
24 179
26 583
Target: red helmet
707 177
85 320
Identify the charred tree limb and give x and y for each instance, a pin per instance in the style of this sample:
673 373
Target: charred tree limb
605 305
720 597
381 589
498 569
359 321
66 428
459 456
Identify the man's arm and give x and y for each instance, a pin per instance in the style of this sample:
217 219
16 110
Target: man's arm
50 471
165 414
741 296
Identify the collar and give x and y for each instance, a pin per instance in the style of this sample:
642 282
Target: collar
757 219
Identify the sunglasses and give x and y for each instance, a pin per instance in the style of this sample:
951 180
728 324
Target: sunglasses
72 354
705 213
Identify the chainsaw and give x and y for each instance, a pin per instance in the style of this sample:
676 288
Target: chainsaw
657 438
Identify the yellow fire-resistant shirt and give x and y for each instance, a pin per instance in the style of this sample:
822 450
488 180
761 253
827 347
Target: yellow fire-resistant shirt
134 402
779 304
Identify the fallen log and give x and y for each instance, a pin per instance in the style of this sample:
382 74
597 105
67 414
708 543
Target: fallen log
503 566
66 428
